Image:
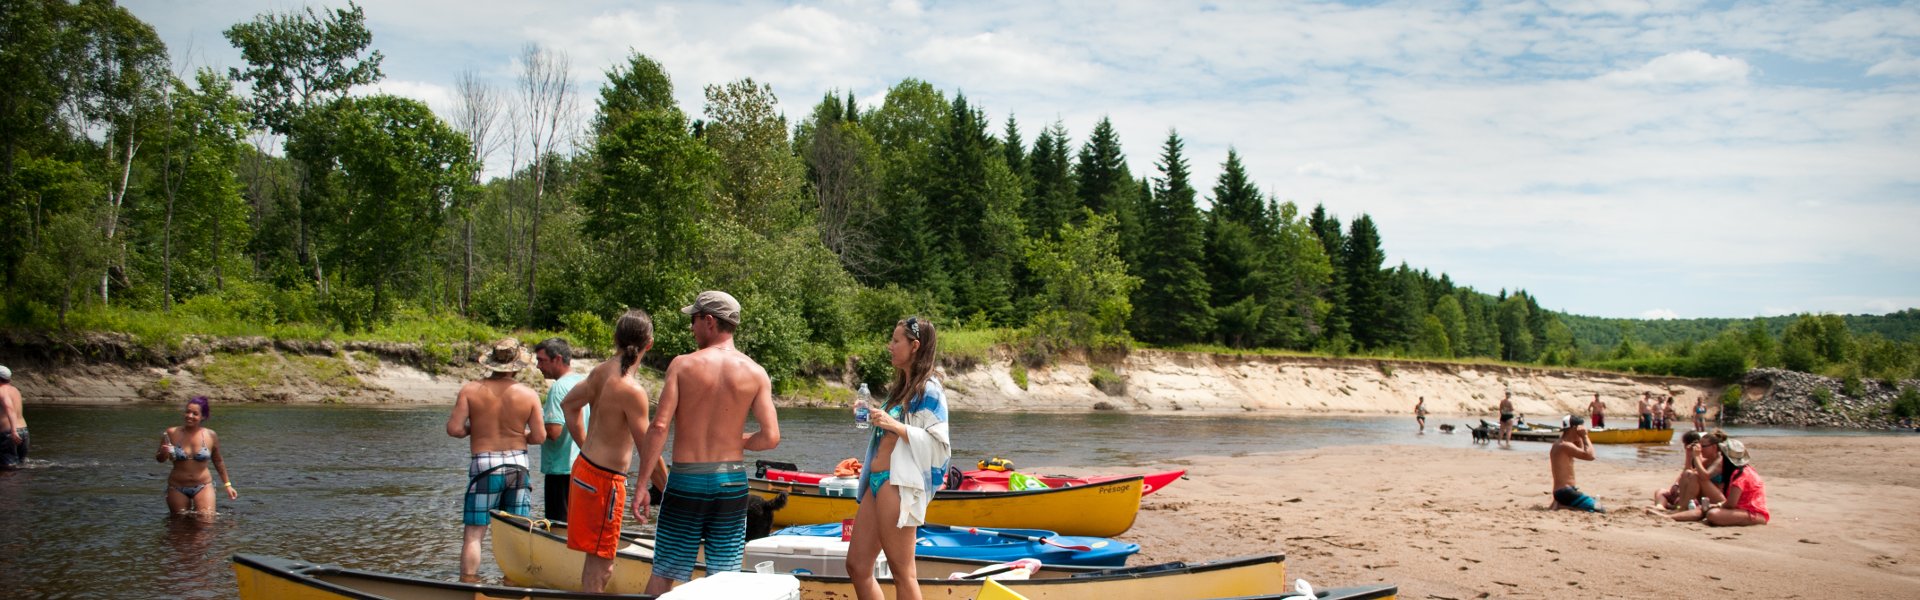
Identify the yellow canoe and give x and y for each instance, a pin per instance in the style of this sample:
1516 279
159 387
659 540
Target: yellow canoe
535 553
270 578
1631 436
992 590
1602 436
1102 510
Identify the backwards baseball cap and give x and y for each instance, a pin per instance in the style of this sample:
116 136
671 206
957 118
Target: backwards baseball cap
6 374
717 303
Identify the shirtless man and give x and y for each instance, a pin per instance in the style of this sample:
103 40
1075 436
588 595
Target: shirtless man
1599 412
1646 410
598 488
13 424
500 416
706 399
1420 413
1573 444
1506 420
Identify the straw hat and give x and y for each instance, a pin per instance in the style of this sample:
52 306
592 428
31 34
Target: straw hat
507 355
1735 452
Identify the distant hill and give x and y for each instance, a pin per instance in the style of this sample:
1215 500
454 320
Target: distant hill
1600 332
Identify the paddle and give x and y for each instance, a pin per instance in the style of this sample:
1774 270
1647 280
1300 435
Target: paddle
1012 536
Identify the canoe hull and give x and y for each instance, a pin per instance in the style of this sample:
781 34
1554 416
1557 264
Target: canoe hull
532 555
1604 436
1097 510
996 481
271 578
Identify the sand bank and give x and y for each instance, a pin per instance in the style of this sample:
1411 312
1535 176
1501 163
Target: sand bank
1471 522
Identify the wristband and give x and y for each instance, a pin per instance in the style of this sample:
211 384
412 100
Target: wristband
227 484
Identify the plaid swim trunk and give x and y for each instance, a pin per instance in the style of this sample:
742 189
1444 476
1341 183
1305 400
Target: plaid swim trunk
497 480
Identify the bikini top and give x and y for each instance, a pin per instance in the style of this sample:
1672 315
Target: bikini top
180 453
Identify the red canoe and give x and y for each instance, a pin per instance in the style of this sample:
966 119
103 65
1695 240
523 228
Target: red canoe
996 481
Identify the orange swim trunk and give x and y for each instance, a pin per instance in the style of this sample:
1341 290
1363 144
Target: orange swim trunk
594 496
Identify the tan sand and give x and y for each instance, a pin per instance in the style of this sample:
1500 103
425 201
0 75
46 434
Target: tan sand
1458 523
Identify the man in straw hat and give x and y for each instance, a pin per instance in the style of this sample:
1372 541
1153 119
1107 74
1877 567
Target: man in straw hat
13 424
1573 444
500 417
706 399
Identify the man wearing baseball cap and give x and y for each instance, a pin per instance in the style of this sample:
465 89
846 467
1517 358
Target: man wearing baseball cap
13 424
706 399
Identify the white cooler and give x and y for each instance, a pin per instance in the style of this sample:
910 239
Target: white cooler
737 586
818 555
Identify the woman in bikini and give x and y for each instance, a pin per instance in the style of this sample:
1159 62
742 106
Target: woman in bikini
191 447
906 462
1699 414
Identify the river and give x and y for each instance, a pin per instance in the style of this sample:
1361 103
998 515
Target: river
379 488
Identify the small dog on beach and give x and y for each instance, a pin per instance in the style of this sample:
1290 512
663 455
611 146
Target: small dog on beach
1446 428
1484 433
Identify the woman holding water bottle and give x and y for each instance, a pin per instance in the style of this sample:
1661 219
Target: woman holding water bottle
906 460
193 449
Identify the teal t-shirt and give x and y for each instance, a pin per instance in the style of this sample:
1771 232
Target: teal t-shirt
556 455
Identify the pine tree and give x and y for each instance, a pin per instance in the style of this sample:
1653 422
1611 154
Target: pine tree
957 197
1173 298
1333 242
1367 285
1051 201
1238 243
1103 170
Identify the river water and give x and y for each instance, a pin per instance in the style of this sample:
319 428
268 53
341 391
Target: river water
379 488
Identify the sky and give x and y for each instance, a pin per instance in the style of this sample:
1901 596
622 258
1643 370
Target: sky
1615 158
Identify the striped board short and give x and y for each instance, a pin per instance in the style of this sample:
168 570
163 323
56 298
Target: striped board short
705 504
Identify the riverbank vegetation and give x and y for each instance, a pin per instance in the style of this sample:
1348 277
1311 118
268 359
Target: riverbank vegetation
269 201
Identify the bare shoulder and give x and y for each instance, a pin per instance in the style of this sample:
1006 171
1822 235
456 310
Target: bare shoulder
741 360
470 387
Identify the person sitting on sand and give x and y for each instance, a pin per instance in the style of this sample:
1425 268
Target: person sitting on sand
1741 501
1670 498
1573 444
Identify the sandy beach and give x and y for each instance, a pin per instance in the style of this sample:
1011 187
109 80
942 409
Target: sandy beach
1459 523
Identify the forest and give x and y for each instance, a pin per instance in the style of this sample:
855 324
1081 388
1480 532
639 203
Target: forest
148 195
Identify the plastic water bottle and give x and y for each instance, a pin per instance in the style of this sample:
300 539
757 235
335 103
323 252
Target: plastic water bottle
860 407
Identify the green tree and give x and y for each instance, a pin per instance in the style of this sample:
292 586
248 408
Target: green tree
1515 337
1084 286
1333 242
1432 338
647 192
909 120
1303 279
1367 286
1052 200
1173 296
296 62
204 219
957 192
1453 322
762 180
400 167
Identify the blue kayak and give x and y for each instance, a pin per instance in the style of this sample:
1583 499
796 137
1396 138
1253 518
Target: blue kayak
937 542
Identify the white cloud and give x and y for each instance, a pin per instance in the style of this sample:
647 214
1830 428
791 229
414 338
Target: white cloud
1685 67
438 97
1350 173
1902 66
1659 314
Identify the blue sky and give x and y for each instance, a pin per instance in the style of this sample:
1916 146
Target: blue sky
1622 158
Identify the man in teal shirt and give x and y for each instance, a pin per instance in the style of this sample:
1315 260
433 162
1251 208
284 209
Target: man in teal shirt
554 358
